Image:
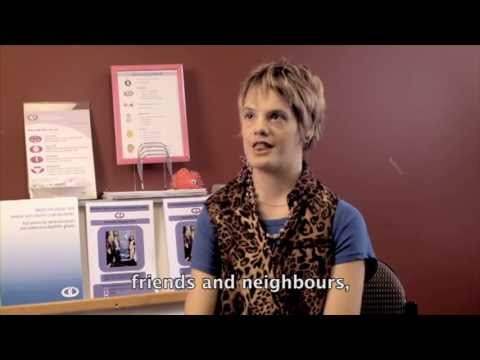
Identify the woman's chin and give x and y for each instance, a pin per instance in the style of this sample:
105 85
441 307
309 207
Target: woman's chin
263 164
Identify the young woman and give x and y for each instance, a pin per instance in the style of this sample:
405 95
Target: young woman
275 220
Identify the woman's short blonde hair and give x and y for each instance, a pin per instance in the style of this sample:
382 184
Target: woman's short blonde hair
301 89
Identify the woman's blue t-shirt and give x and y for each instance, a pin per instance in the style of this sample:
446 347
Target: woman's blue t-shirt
350 236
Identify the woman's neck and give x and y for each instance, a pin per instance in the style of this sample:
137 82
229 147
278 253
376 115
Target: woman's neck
272 188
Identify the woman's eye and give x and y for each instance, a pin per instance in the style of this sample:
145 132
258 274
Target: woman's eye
248 116
276 116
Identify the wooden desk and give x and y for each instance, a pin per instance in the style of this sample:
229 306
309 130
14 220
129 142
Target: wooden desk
108 304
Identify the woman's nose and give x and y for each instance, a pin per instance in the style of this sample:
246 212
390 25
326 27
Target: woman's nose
261 132
260 127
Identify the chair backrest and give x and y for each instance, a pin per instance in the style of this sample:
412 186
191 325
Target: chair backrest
383 293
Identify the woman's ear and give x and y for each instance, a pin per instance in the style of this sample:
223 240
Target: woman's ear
305 135
309 135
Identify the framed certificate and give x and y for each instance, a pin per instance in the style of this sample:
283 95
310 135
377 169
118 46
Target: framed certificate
149 111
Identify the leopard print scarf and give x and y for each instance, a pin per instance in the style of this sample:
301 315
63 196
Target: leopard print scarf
304 249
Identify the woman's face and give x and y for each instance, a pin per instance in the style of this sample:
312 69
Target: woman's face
270 134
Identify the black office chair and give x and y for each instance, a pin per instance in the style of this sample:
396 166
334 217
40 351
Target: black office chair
383 294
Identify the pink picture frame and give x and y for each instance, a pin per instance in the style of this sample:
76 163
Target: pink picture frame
121 157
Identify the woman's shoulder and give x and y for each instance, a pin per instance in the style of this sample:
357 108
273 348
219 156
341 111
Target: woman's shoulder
345 211
203 220
223 193
349 224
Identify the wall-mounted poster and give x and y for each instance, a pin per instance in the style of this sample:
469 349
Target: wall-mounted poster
59 150
121 244
149 113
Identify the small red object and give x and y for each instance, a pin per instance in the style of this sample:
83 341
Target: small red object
186 179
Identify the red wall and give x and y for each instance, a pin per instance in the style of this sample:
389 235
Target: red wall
402 142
